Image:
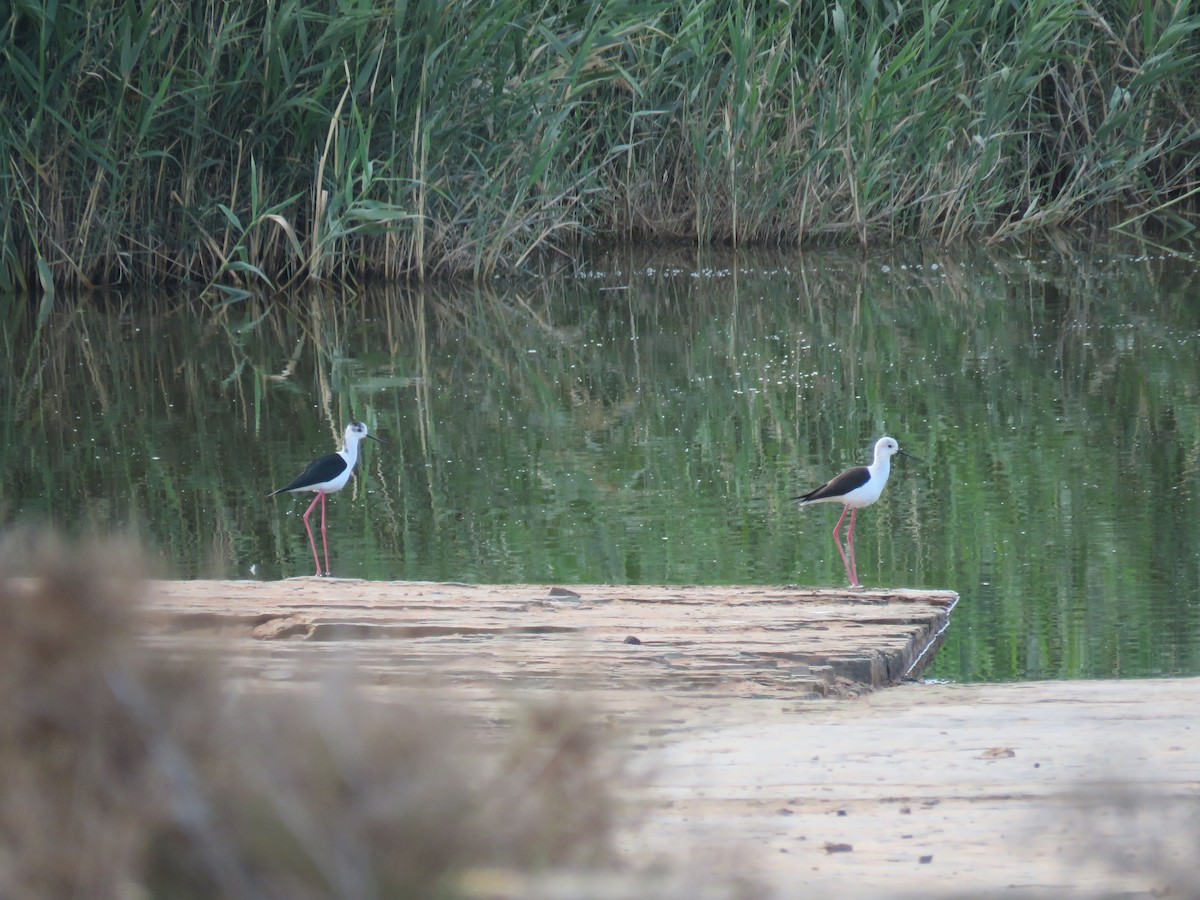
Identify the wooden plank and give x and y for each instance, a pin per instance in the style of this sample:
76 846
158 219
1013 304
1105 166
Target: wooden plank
734 641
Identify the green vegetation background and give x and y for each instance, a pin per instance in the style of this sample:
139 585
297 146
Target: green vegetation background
243 143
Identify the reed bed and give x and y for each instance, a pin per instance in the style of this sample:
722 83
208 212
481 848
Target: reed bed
240 145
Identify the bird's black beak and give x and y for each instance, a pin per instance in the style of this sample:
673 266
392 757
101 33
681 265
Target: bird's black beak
375 439
909 455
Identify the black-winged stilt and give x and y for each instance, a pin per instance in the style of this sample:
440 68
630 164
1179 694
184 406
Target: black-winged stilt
854 489
324 476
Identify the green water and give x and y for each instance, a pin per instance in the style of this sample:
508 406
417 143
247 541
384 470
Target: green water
647 417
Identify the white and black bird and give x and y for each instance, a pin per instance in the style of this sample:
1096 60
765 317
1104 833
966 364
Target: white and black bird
854 489
324 476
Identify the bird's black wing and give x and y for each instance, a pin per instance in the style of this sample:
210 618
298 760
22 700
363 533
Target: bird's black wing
319 471
839 486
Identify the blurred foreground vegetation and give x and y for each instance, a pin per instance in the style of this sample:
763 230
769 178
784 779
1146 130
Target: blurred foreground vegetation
127 771
242 144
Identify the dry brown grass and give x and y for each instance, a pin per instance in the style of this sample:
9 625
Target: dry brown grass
123 773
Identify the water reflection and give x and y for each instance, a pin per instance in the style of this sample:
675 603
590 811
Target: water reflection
647 418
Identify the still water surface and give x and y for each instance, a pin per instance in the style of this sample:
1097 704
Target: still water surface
648 417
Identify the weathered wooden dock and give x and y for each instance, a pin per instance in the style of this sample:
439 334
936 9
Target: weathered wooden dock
721 641
1051 789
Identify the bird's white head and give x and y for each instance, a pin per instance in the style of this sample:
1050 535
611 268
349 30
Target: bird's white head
886 448
355 432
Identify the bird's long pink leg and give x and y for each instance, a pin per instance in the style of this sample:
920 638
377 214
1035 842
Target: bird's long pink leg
837 539
324 537
311 542
850 541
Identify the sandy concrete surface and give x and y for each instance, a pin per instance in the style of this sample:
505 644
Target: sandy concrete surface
1078 788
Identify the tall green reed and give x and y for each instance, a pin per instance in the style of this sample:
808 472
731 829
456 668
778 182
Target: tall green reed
240 145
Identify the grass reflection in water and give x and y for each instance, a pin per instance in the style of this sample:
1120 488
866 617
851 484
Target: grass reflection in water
646 418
